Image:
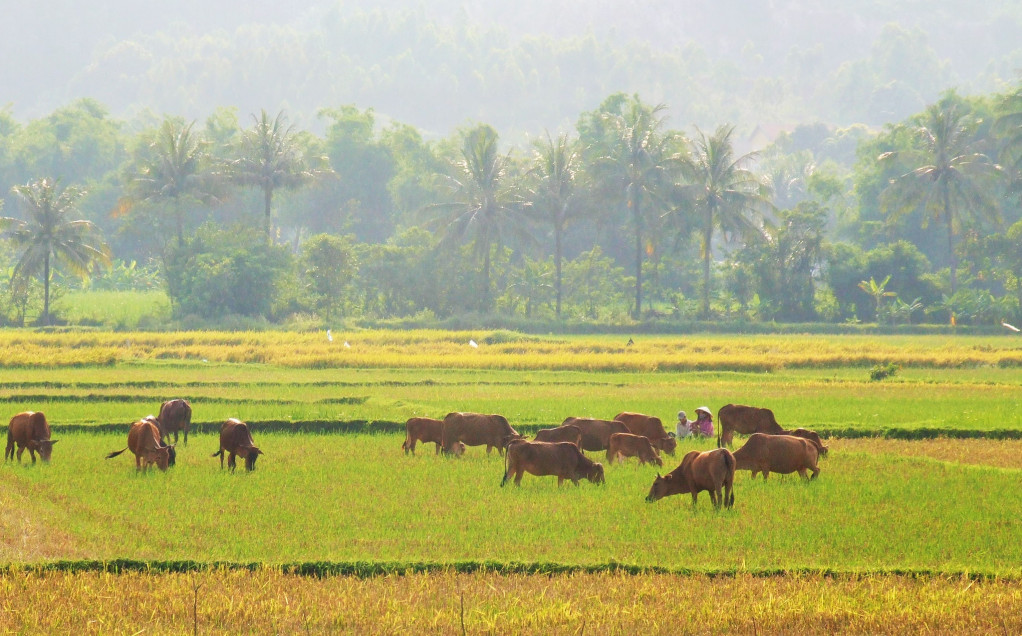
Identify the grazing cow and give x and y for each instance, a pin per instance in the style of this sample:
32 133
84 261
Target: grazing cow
595 433
737 418
777 454
172 459
627 445
422 429
236 439
562 459
175 415
709 470
29 430
144 442
476 429
650 427
569 433
812 436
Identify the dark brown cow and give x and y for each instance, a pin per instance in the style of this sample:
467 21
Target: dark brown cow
650 427
777 454
710 470
144 443
175 415
595 433
29 430
569 433
627 445
476 429
422 429
562 459
236 439
812 436
737 418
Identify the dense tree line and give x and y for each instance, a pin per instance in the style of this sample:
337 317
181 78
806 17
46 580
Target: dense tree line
624 219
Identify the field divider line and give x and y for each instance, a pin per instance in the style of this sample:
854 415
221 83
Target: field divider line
370 569
371 427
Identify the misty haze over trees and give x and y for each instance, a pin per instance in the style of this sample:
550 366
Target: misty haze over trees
584 162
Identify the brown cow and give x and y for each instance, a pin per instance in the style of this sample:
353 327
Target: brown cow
569 433
777 454
236 439
650 427
422 429
144 443
476 429
812 436
595 433
709 470
627 445
175 415
562 459
29 430
737 418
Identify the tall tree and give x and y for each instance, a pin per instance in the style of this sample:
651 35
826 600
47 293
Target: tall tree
51 234
640 159
947 181
174 171
555 194
722 192
485 205
271 158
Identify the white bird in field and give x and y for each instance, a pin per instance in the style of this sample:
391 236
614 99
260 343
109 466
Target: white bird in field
472 343
1012 327
346 345
329 336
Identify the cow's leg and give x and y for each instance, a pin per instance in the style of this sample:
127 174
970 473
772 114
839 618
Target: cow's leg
31 453
138 463
802 473
714 498
221 458
518 477
695 497
21 449
766 473
231 463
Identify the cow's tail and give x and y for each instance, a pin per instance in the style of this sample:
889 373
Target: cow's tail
729 479
116 453
720 431
504 480
219 453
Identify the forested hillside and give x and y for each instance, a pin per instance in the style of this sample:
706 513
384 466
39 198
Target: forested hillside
521 67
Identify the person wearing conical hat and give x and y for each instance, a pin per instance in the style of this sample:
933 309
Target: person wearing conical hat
704 422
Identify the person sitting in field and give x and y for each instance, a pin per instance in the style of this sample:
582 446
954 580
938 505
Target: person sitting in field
684 427
704 422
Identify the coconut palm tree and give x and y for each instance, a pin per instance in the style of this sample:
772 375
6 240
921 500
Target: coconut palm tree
555 194
271 158
485 206
948 180
722 192
175 172
640 159
51 235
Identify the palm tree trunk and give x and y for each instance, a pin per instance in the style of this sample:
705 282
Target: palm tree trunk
46 289
558 249
486 280
633 202
180 223
707 237
950 237
267 201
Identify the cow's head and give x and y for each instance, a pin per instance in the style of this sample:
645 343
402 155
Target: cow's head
669 444
662 486
45 448
595 474
160 456
457 449
511 438
655 459
251 456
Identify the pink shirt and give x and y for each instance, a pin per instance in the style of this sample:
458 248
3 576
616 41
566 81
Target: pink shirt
706 426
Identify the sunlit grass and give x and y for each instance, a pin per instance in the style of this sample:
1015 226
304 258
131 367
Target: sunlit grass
359 498
125 310
268 601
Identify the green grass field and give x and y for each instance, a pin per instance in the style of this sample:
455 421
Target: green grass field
938 509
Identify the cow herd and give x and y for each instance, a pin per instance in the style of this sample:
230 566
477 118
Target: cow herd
148 438
560 451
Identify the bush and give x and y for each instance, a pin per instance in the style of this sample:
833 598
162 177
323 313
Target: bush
882 371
